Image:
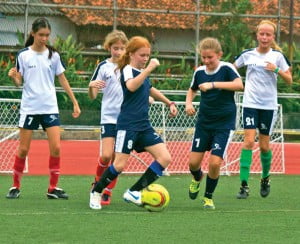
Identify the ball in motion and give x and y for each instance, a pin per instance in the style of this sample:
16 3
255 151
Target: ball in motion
155 198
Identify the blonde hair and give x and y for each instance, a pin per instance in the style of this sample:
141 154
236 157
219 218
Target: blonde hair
114 37
268 22
209 43
133 45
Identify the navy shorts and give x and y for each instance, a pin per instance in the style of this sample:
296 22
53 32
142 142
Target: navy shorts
128 140
32 122
215 140
262 119
108 130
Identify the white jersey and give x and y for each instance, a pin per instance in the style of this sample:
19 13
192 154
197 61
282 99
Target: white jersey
261 84
112 93
38 72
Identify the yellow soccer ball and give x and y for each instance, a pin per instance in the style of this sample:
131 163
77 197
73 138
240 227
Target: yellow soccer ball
155 198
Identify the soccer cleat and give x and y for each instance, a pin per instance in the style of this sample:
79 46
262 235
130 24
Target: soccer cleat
243 193
265 187
194 189
133 197
106 197
57 193
13 193
95 200
208 203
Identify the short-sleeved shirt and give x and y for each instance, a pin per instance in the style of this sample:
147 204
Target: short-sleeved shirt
38 72
217 106
261 84
135 107
112 93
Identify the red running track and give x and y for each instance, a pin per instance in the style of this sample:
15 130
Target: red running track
80 157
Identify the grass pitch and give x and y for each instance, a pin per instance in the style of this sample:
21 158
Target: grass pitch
34 219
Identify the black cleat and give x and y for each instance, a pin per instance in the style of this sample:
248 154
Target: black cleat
243 193
13 193
57 193
265 187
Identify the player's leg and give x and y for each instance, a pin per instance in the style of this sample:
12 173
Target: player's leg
51 123
151 142
200 144
124 145
267 121
108 134
219 145
250 123
19 164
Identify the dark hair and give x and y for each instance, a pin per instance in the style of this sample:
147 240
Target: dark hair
36 26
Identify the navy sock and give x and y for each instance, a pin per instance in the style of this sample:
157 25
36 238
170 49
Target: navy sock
197 174
108 176
211 185
153 172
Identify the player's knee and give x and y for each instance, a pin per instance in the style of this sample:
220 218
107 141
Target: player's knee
248 145
55 151
22 152
105 159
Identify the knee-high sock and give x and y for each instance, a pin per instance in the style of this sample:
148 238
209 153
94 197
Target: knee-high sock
245 163
266 159
18 168
101 167
54 168
107 177
210 187
112 184
153 172
197 174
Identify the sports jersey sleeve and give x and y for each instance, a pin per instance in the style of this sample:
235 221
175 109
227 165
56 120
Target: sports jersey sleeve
239 61
284 63
194 83
127 72
19 64
59 65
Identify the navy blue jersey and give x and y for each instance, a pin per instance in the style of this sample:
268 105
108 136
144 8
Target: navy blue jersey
135 107
217 106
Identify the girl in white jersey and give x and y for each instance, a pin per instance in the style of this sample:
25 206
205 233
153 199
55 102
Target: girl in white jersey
37 65
106 78
264 64
134 130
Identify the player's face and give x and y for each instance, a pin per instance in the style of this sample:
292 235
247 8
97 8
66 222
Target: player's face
210 58
41 37
117 50
140 57
265 36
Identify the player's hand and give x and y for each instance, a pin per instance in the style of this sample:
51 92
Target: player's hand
190 110
270 66
153 63
99 84
12 73
173 110
206 86
76 111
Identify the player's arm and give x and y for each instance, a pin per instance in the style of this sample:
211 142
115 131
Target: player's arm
157 95
94 87
66 86
285 75
235 85
189 108
134 83
15 76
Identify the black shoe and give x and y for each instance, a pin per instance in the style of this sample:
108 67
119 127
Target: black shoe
13 193
57 193
265 187
243 193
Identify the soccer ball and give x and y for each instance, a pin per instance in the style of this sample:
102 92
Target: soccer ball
155 198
